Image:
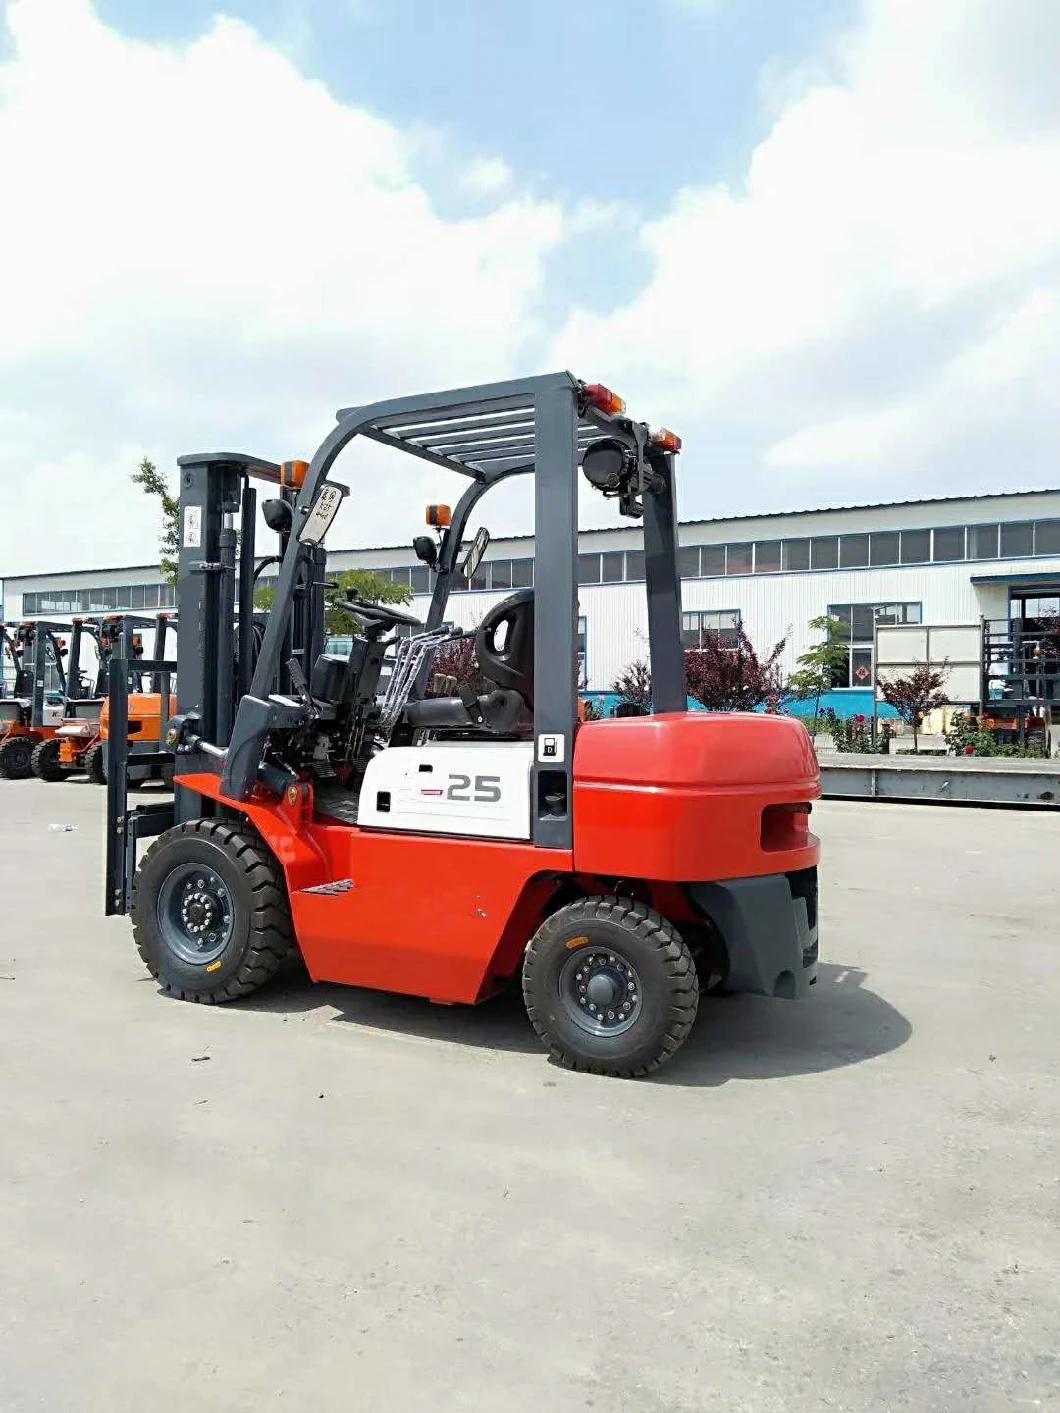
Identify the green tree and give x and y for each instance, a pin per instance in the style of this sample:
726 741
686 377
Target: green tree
820 665
155 484
363 584
633 684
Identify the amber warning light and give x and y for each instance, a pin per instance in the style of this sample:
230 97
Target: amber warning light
439 516
293 474
663 437
604 400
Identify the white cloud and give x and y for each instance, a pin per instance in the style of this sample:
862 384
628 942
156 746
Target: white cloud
485 176
210 250
202 247
876 302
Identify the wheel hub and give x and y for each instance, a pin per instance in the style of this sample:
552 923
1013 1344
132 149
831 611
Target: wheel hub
195 913
601 991
201 912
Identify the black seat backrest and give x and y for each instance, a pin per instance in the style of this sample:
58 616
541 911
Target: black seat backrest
504 644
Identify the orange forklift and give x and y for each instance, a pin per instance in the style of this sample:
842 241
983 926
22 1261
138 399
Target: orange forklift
448 846
33 713
150 704
70 749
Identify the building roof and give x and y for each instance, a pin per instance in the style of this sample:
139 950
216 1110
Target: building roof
603 529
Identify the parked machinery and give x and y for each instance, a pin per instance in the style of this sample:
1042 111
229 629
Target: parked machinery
443 846
70 749
150 703
33 712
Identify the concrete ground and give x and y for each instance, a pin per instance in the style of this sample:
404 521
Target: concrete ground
334 1200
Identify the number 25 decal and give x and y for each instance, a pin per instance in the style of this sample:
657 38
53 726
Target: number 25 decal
487 789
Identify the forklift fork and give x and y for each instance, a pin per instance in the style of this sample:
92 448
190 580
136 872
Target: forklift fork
126 826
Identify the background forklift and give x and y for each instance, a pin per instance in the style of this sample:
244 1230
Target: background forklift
10 665
443 846
150 702
67 751
34 711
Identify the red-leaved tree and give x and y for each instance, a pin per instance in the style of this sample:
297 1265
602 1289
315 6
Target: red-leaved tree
458 660
914 694
727 675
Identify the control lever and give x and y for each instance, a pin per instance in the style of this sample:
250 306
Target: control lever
301 686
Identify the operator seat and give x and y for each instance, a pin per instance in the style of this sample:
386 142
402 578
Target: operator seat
504 647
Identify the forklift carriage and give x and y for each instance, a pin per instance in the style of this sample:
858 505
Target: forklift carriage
443 845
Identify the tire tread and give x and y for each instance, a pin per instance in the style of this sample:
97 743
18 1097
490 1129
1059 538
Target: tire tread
271 930
650 927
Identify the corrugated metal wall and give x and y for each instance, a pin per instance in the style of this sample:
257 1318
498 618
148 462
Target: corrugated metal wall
772 606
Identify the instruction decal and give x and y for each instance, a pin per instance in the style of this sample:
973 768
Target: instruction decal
193 527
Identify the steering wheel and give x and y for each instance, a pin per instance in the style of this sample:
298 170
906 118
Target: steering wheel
377 612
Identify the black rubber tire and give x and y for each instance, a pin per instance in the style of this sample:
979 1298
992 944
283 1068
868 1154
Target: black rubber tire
44 762
94 763
668 980
263 935
16 758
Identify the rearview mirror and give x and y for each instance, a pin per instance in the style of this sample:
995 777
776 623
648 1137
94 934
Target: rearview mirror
473 558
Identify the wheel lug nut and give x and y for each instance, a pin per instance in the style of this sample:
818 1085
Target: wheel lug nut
581 1000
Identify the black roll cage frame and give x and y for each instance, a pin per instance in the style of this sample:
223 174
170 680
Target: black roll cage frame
486 433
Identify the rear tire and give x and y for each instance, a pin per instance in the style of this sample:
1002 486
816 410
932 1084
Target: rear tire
94 763
16 758
610 987
211 918
44 762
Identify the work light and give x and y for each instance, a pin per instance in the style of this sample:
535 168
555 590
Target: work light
607 464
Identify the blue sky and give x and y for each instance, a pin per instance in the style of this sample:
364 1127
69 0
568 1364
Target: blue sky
822 240
617 101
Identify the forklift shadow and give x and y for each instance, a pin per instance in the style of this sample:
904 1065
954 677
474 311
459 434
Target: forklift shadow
735 1037
840 1023
497 1024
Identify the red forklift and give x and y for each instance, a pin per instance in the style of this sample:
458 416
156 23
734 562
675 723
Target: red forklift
448 846
33 713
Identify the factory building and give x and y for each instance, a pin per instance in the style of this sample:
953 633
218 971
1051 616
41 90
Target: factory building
941 562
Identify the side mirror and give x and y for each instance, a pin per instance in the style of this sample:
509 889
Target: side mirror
473 558
425 550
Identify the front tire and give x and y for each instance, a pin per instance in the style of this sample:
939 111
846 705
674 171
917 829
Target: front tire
95 763
610 987
44 762
211 918
16 758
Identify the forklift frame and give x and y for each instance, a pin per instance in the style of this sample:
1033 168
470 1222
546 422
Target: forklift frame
488 433
39 664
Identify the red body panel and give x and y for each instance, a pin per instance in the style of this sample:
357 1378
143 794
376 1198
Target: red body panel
665 799
429 916
680 797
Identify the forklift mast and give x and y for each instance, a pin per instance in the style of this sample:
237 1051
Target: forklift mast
39 640
9 643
